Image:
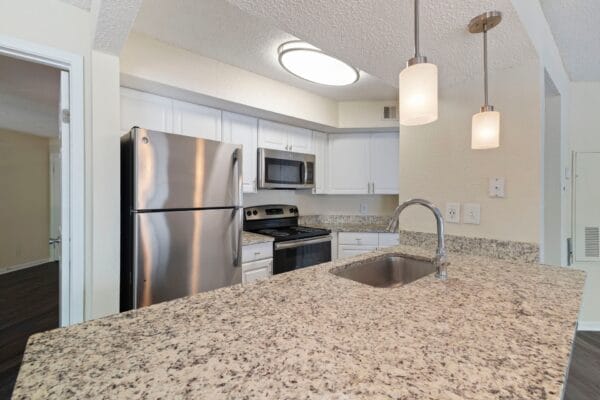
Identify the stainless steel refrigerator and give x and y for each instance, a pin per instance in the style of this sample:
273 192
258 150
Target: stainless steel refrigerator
181 216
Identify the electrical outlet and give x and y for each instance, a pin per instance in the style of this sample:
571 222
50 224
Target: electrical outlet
363 208
496 187
453 213
472 213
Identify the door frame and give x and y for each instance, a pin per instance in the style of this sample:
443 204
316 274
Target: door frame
72 265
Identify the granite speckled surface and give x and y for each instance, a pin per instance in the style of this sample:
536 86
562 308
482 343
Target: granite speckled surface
503 249
494 330
249 238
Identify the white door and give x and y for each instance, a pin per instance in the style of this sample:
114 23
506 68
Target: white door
384 163
587 207
240 129
348 163
195 120
320 146
272 135
145 110
300 140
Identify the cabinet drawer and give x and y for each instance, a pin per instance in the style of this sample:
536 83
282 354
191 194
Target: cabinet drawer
257 270
350 251
358 238
389 239
259 251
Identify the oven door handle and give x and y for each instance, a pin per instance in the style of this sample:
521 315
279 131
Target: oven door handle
301 242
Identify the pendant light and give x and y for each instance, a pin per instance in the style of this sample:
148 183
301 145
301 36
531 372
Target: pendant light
485 126
418 86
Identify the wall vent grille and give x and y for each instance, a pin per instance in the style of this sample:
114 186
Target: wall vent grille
592 241
390 113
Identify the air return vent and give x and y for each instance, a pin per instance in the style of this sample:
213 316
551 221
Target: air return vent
592 241
390 113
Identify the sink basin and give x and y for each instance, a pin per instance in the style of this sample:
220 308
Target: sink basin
388 271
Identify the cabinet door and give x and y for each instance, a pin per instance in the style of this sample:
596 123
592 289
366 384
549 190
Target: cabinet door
384 163
320 146
350 251
257 270
272 135
197 121
300 140
388 240
240 129
145 110
348 169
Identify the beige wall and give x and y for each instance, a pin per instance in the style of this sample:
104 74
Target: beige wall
310 204
437 163
24 199
584 128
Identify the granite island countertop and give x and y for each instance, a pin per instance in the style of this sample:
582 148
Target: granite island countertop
494 330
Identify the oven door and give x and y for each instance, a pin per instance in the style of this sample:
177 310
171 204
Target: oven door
285 170
295 254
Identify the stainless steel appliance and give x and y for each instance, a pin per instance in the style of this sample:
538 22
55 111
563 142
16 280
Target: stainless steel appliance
181 219
285 170
294 246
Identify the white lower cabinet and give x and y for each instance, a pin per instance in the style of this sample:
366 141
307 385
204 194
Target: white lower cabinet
257 262
257 270
355 243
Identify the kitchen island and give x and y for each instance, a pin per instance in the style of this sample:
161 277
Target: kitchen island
494 330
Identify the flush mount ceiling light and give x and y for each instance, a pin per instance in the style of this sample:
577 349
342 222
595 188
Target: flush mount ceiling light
310 63
485 127
418 86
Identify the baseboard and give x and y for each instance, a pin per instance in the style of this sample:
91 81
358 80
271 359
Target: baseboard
12 268
589 326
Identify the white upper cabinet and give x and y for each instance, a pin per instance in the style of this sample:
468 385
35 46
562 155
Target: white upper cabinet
195 120
348 163
145 110
272 135
384 163
320 146
240 129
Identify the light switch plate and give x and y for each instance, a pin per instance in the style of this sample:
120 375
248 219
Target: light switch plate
453 213
496 187
472 213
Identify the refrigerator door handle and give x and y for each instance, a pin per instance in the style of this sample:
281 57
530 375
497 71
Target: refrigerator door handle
238 158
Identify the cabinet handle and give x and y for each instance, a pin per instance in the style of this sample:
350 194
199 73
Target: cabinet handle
373 187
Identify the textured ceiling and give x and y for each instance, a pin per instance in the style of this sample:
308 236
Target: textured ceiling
377 35
112 22
577 34
221 31
29 97
84 4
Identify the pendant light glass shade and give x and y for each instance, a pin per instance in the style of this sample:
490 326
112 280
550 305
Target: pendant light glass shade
418 94
485 130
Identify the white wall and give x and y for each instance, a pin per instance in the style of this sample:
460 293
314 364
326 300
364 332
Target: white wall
155 61
437 163
310 204
584 129
367 114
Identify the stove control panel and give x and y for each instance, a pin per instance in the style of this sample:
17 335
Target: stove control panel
270 212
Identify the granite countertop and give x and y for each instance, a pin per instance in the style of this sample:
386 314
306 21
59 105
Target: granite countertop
352 227
249 238
494 330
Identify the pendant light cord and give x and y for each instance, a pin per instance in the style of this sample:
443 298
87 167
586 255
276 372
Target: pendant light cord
417 51
485 66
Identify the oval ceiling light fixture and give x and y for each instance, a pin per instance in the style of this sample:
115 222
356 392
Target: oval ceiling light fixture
485 125
310 63
418 86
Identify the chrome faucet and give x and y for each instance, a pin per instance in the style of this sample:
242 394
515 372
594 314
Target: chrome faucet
440 261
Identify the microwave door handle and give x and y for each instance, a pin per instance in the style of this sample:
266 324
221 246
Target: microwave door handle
237 158
305 182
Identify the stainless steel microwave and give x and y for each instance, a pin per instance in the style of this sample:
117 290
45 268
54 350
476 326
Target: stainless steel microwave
285 170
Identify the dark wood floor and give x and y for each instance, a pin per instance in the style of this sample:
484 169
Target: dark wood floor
583 382
28 304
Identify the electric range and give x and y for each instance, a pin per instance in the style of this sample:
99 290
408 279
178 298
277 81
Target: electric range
294 246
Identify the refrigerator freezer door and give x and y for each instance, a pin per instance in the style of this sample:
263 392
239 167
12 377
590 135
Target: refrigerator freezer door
181 172
180 253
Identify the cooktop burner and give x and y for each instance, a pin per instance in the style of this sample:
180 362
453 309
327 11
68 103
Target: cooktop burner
293 232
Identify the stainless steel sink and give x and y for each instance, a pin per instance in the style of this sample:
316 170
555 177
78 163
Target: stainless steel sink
388 271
